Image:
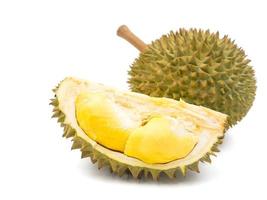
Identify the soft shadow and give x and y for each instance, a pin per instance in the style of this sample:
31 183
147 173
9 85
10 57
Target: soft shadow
206 173
91 171
227 141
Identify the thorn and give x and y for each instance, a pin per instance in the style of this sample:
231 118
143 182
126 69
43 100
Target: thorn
121 170
61 118
206 158
134 171
146 173
183 170
70 133
93 160
76 143
194 167
100 163
56 114
86 154
113 165
171 173
54 102
214 148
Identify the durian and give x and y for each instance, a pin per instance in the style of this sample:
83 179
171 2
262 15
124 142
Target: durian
134 133
196 65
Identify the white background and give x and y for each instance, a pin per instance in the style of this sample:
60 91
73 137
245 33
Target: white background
41 42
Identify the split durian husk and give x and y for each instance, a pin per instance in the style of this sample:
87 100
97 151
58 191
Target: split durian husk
211 127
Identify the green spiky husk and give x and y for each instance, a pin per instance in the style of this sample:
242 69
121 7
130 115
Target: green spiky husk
199 67
115 166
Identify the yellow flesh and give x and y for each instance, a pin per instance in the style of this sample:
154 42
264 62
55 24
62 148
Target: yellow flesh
156 142
100 121
160 131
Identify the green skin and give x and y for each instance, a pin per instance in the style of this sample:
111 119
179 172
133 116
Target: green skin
198 67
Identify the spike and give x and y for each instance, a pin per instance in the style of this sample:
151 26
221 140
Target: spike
183 170
101 163
113 165
93 160
61 117
65 131
215 148
96 154
87 147
212 153
220 141
76 143
206 158
56 114
171 173
121 169
55 89
70 133
54 102
146 172
86 154
155 174
194 167
134 171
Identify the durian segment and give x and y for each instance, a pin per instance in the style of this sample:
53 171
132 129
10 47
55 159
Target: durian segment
103 121
162 139
200 67
110 118
110 124
65 96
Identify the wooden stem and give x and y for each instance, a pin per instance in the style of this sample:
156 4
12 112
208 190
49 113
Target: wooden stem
124 32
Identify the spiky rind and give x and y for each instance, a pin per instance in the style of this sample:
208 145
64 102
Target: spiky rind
199 67
116 167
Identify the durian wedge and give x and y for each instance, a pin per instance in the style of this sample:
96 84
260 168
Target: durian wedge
132 132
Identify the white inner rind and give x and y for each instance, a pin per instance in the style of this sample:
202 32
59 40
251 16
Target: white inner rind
70 88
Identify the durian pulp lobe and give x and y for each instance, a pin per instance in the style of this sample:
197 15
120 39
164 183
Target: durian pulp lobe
160 140
102 121
154 130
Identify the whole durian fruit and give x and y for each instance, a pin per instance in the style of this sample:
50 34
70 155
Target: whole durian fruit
198 66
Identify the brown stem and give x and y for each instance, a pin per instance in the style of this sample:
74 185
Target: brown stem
124 32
